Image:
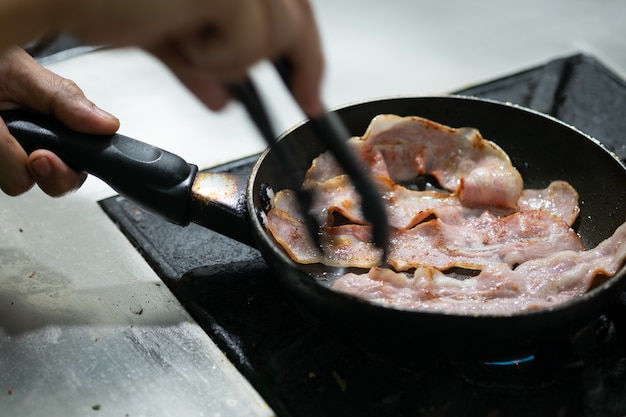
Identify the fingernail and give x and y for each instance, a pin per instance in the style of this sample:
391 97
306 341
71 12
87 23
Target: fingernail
92 108
103 113
41 166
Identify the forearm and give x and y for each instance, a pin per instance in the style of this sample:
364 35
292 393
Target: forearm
116 22
135 22
22 21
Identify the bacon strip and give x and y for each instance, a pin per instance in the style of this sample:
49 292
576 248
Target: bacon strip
407 208
482 241
475 243
497 289
559 198
402 148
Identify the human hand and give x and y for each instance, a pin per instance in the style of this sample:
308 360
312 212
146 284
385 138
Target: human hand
26 84
213 42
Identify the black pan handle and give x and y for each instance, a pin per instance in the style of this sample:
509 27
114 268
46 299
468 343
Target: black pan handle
155 179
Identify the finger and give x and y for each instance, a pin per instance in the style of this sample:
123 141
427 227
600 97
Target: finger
15 177
203 84
30 85
70 106
228 45
64 100
304 53
53 176
271 29
212 93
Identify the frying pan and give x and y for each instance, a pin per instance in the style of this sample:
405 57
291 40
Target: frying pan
542 148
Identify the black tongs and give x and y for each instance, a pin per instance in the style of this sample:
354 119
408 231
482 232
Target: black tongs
333 133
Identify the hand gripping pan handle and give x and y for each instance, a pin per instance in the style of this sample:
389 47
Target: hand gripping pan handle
149 176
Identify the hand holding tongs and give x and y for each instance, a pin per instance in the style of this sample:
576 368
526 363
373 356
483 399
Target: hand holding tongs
333 133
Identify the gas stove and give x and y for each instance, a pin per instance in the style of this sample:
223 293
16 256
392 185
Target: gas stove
303 368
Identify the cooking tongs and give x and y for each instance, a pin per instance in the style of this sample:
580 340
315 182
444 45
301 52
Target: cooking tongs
333 133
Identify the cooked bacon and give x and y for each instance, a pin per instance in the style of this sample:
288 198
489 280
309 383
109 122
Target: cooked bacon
402 148
293 236
482 241
498 289
474 243
559 198
520 242
341 246
407 208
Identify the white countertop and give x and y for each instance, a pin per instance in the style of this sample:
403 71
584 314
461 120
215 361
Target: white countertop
72 287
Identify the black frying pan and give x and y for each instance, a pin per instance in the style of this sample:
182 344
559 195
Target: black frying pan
542 148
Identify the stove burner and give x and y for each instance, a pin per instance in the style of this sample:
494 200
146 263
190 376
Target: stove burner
531 372
512 362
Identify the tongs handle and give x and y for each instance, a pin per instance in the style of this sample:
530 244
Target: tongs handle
247 94
331 130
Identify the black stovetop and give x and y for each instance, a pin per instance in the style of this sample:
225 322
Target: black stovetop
304 369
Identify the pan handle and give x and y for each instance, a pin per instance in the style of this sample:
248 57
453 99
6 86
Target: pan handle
153 178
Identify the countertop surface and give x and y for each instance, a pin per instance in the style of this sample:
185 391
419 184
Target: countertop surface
87 327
